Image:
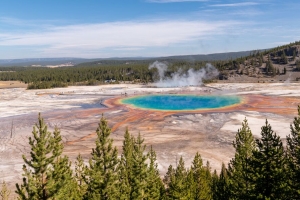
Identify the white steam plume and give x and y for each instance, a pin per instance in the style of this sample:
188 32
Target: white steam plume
179 79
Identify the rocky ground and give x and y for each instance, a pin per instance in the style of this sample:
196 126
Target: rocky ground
77 110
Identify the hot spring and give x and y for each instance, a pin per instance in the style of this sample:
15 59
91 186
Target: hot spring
181 102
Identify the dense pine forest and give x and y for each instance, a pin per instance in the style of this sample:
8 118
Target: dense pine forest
257 64
262 168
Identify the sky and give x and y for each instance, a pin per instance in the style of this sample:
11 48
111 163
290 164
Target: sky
143 28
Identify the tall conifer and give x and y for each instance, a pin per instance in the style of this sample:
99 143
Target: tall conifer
102 174
239 168
40 180
139 170
177 186
222 190
293 153
269 166
126 167
201 174
155 188
80 176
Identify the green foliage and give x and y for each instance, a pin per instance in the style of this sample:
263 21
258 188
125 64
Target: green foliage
269 166
283 59
42 174
201 178
4 192
102 173
126 167
293 152
139 170
80 176
155 187
63 177
239 167
270 70
221 185
178 184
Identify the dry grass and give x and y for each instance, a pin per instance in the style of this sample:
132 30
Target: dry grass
12 84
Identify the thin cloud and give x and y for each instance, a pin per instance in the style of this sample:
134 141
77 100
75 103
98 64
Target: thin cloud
174 1
76 39
235 4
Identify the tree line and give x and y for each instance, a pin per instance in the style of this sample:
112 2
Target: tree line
99 72
261 168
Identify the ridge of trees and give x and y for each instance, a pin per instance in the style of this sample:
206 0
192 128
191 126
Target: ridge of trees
100 72
261 168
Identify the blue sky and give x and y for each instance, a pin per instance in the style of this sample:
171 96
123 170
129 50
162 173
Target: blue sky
129 28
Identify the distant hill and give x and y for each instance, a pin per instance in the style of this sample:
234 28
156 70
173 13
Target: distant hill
76 61
211 57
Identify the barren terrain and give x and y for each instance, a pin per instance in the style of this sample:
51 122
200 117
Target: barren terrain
77 110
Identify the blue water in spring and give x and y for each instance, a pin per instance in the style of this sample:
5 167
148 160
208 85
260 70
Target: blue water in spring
181 102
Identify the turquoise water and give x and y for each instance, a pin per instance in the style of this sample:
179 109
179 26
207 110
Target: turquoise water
181 102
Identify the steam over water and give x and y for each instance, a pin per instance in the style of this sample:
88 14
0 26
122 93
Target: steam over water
179 79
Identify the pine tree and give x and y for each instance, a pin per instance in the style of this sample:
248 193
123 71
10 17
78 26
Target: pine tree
214 185
139 170
239 167
4 192
177 186
102 173
155 188
190 185
167 179
80 176
293 152
206 192
222 190
269 166
63 177
201 177
126 167
284 59
39 181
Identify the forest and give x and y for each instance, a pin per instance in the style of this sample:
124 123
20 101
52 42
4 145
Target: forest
262 168
136 71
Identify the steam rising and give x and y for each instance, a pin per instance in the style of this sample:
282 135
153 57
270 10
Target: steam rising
180 79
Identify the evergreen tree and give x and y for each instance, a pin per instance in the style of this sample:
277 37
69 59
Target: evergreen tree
190 186
269 166
240 166
40 180
139 170
222 190
4 192
284 59
126 167
62 175
167 179
177 186
80 176
155 187
214 185
294 54
201 177
102 173
293 152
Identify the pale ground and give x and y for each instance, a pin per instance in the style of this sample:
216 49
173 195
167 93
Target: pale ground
77 110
